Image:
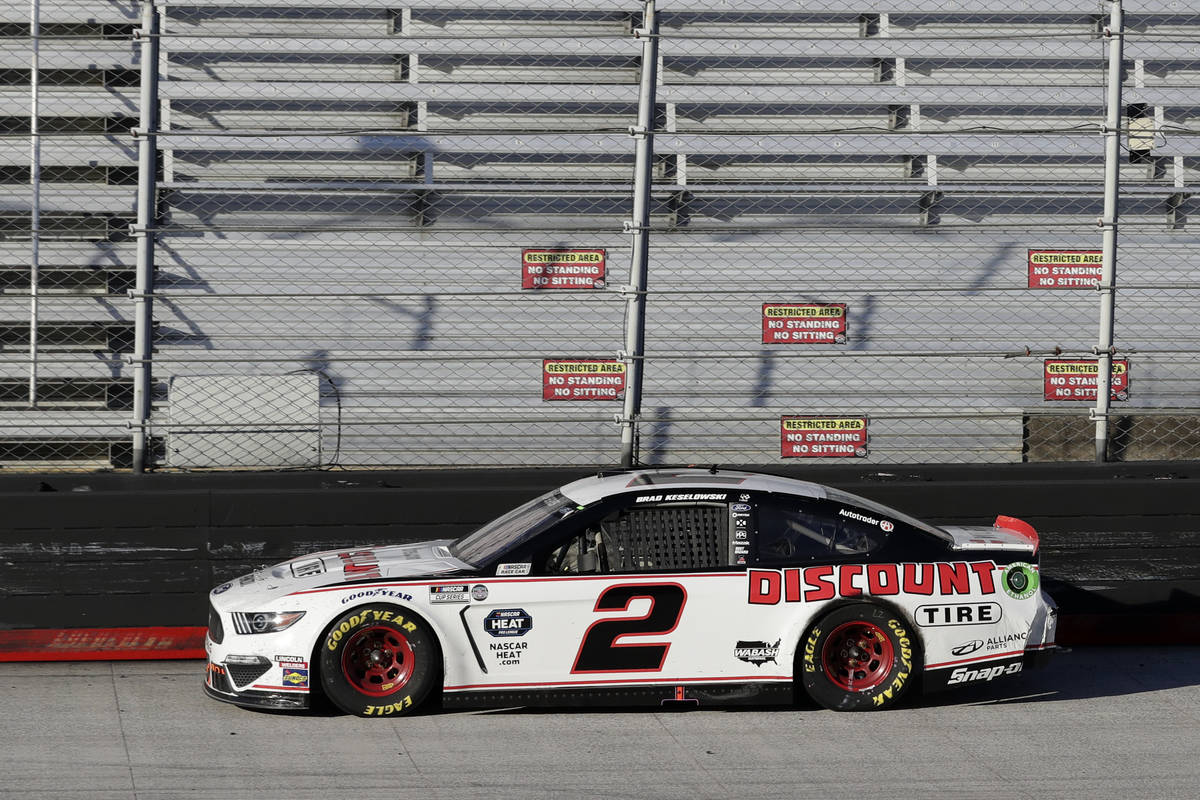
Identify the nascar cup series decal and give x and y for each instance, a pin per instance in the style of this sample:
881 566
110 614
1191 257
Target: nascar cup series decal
449 593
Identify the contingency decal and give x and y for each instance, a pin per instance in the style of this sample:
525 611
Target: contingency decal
939 616
508 622
757 653
813 584
513 569
295 678
449 593
1003 643
1020 580
883 524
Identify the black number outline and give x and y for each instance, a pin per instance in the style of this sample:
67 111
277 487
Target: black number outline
599 651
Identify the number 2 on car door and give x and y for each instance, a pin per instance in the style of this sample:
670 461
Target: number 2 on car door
601 650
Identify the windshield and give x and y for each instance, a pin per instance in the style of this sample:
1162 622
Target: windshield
518 525
879 508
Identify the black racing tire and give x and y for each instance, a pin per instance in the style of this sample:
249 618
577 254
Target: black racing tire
858 657
379 661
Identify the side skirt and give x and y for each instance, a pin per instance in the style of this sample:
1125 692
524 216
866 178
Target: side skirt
737 694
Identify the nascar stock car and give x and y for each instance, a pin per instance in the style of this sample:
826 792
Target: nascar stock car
644 586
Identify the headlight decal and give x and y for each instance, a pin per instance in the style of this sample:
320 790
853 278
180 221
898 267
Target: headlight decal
251 622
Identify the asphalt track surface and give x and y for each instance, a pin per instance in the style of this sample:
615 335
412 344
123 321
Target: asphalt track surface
1099 723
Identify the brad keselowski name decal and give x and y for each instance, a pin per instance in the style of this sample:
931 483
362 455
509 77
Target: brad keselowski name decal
680 497
813 584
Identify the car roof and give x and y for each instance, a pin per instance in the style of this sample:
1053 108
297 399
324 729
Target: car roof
588 490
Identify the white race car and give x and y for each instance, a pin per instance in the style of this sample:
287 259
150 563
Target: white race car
646 586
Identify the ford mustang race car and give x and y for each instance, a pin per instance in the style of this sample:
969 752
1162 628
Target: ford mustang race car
645 586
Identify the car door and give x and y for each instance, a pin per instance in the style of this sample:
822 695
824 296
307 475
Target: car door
631 593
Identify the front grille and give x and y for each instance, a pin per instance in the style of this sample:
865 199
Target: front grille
216 631
244 674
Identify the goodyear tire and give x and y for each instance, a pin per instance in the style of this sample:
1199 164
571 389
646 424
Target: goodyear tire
378 661
858 657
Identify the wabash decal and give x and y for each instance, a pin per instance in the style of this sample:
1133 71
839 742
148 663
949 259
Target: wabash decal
814 584
359 564
600 650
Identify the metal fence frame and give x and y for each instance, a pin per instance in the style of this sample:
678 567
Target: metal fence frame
642 139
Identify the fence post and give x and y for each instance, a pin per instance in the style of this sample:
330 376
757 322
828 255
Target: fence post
635 292
1108 223
146 215
35 185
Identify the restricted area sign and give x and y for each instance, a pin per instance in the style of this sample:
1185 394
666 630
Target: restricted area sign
803 323
1064 269
1076 379
823 437
562 269
582 379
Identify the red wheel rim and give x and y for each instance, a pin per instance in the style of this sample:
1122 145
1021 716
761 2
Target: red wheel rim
858 656
377 661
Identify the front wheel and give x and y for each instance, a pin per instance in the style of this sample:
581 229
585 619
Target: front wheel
858 657
377 661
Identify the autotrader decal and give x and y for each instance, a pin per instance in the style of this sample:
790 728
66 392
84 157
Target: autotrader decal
815 584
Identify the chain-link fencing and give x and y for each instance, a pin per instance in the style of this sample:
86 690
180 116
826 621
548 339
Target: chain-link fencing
316 233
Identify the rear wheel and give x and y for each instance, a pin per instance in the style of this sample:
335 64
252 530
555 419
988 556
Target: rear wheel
858 657
378 661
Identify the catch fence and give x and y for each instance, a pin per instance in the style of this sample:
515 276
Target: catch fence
319 233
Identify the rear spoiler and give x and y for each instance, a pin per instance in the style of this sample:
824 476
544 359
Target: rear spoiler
1019 527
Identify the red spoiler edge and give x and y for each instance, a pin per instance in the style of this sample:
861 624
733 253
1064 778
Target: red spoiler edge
1018 526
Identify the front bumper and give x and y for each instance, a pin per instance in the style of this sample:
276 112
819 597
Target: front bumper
217 685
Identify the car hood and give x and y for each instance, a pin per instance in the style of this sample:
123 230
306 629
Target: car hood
334 567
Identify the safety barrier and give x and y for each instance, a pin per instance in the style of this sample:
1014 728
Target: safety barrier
119 566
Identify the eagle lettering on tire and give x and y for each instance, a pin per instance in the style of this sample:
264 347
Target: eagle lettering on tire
858 657
378 661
